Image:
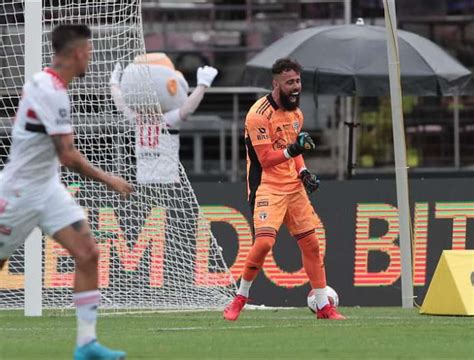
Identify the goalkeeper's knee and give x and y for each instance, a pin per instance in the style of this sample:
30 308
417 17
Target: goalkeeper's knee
262 246
309 244
257 254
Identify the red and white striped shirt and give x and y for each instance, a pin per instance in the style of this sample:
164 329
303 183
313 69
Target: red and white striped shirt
44 110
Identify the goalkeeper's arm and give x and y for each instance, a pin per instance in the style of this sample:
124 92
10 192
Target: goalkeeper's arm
269 157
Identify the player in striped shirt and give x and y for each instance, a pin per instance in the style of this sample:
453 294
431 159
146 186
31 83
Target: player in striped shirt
31 193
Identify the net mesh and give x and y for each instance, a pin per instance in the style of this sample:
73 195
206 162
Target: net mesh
156 249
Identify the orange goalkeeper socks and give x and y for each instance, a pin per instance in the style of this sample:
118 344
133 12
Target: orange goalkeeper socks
312 261
263 243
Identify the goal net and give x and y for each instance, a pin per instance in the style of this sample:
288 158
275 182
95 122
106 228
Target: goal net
156 248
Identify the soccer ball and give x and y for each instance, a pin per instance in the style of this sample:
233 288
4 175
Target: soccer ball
332 295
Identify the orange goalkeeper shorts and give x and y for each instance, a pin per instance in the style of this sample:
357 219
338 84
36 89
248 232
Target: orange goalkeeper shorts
294 210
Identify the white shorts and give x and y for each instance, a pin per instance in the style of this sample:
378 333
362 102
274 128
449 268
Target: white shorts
20 213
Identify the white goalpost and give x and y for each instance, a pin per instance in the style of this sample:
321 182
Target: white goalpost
33 261
156 249
400 153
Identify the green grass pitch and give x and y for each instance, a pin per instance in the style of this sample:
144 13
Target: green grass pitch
373 333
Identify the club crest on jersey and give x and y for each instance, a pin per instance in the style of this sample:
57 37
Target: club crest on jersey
296 125
263 216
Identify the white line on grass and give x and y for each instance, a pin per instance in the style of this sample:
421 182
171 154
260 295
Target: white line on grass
308 317
193 328
314 324
39 328
245 327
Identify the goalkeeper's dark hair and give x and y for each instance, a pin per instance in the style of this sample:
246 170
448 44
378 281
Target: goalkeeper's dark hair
285 64
64 36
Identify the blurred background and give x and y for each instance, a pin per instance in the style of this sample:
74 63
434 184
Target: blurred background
226 34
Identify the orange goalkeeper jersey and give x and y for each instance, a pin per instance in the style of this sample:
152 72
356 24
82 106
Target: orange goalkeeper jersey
266 123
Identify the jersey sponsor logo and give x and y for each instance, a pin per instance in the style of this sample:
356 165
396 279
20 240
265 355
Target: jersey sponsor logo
262 134
263 216
62 112
63 121
280 144
148 154
262 203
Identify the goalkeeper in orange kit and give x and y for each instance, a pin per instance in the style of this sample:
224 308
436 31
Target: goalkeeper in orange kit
278 185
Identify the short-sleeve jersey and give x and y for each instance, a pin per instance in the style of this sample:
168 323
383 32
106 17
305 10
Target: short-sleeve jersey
44 110
266 123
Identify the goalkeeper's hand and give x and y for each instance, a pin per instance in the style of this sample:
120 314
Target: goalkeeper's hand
206 75
310 181
302 145
116 75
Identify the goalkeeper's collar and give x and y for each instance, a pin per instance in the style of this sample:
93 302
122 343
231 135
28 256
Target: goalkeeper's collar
272 101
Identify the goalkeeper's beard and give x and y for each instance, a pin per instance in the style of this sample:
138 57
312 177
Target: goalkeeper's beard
287 103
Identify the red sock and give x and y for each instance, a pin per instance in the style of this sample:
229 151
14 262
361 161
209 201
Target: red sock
312 261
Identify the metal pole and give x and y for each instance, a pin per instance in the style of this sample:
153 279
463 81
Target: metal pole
345 116
457 152
350 124
222 146
341 141
347 11
400 153
334 138
350 155
198 155
356 124
33 244
235 138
